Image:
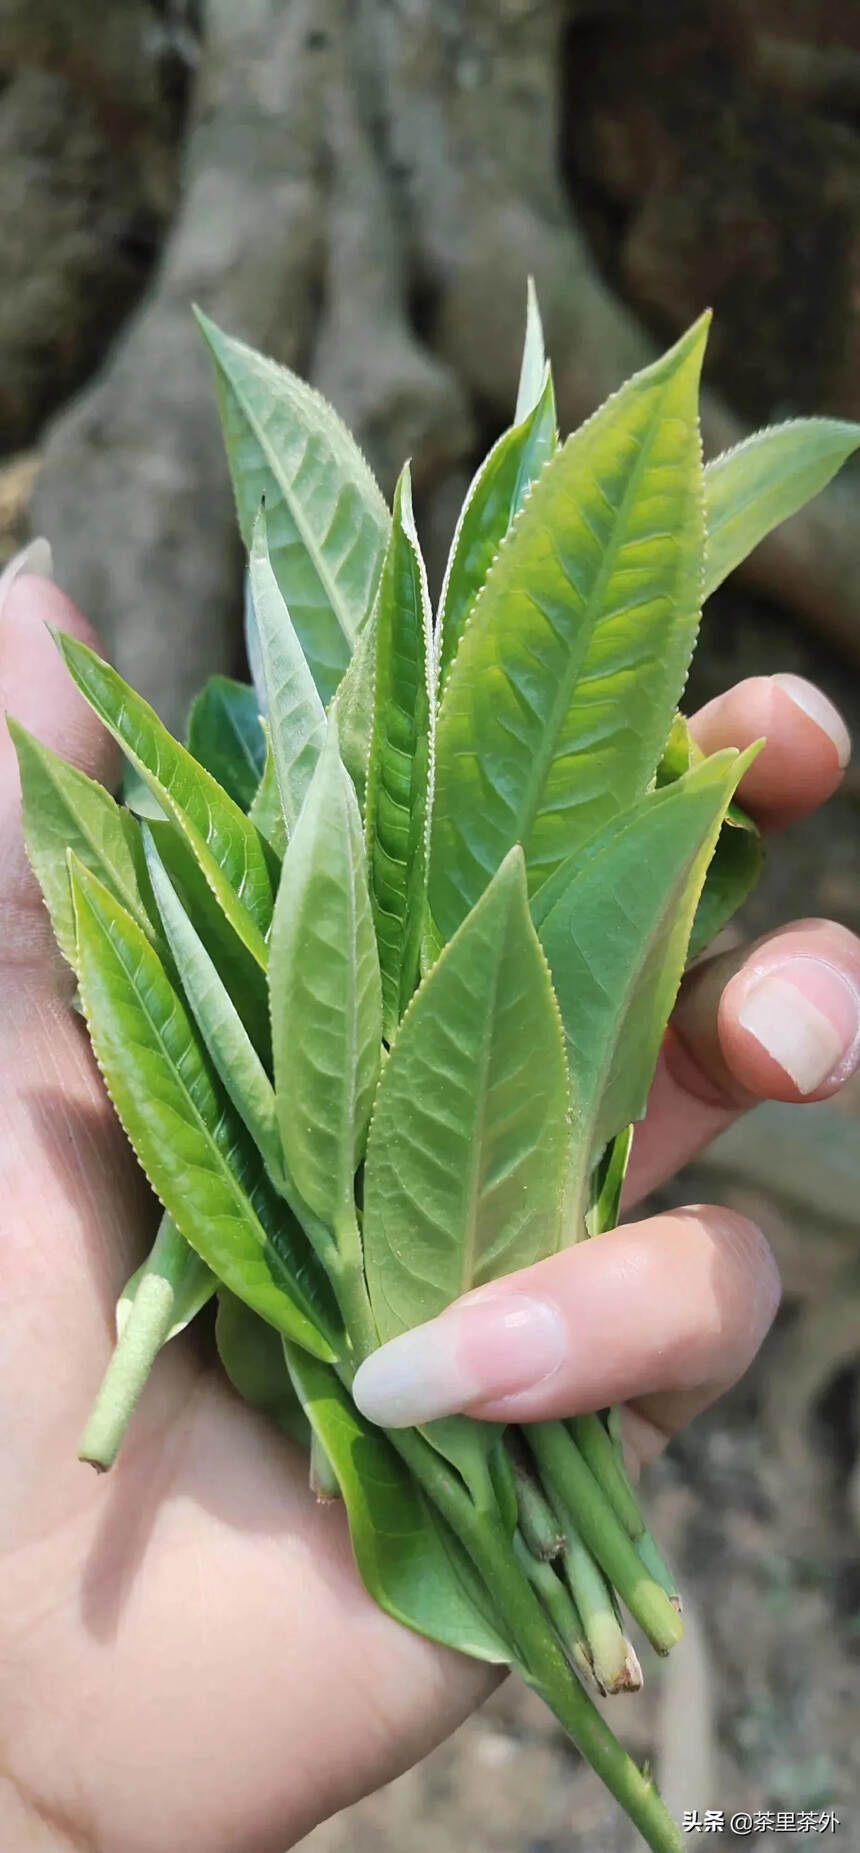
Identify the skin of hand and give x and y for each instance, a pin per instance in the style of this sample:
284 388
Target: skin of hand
187 1657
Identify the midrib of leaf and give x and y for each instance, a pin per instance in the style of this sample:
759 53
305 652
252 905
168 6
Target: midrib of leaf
467 1276
305 532
544 759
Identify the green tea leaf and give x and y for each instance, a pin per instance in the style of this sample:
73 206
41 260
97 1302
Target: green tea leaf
238 970
325 995
354 705
231 1051
616 940
295 713
493 501
400 767
137 796
64 809
466 1154
252 642
408 1560
738 857
469 1446
608 1183
225 844
192 1147
224 734
732 874
185 1282
327 520
562 692
749 490
533 369
266 812
680 752
252 1354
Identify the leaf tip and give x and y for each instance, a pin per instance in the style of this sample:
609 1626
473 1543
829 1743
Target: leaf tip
697 334
71 648
210 331
515 860
259 548
689 348
510 878
749 754
402 499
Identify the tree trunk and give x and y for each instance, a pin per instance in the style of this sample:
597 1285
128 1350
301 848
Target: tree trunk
366 185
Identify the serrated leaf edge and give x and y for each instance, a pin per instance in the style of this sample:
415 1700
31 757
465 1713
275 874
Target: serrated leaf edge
554 462
312 400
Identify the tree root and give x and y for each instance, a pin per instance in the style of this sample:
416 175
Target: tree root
134 490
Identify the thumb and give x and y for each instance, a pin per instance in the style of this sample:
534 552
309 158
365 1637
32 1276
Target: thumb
666 1312
36 689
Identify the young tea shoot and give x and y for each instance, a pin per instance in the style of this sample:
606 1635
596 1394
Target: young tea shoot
377 965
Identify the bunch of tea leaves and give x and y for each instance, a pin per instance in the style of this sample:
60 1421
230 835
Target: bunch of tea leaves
376 967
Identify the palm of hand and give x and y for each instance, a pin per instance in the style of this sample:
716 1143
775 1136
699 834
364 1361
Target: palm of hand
181 1640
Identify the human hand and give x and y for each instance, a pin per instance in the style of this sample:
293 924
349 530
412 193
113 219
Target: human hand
187 1657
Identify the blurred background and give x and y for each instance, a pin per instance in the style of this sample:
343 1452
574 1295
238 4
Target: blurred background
361 189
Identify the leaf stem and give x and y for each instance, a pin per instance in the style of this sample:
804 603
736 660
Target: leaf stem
556 1598
656 1565
592 1438
539 1656
616 1667
146 1330
581 1506
538 1524
324 1483
605 1455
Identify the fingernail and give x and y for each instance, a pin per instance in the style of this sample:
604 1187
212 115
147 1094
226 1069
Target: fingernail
806 1016
491 1346
36 558
805 695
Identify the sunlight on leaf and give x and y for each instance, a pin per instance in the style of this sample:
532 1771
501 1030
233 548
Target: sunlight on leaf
327 520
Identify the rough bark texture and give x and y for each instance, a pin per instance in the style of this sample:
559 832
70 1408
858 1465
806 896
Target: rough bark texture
363 188
89 130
